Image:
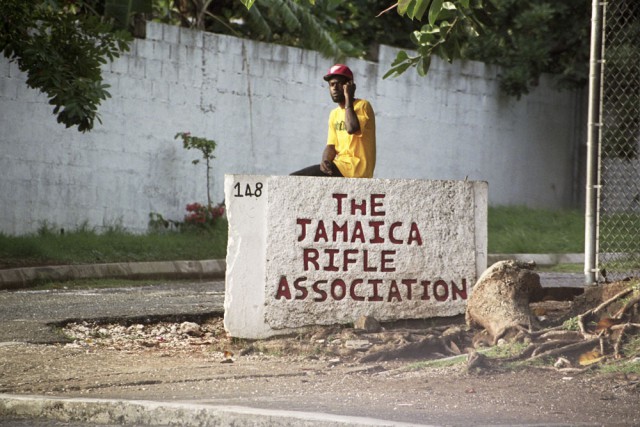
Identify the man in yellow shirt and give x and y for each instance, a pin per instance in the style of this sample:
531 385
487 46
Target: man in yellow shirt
351 142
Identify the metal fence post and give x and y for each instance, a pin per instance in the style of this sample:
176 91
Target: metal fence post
593 143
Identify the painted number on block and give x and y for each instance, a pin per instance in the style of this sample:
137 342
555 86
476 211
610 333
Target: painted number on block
248 191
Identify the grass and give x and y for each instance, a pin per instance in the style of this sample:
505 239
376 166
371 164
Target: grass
511 230
518 229
83 246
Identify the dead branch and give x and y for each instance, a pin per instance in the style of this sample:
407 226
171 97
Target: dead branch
538 333
633 301
618 343
596 310
553 344
611 300
566 349
562 335
616 327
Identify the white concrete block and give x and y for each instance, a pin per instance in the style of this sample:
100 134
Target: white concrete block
311 251
246 254
137 68
9 88
171 34
120 65
154 30
153 69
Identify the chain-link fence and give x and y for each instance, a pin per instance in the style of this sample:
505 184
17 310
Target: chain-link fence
619 214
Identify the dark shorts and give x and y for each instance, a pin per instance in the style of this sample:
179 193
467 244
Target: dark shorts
316 171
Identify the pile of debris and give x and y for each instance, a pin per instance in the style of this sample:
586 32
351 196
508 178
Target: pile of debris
572 328
509 304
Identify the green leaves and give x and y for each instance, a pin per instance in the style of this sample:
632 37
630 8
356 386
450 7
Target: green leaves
206 147
448 24
62 51
434 11
448 28
529 38
290 22
121 11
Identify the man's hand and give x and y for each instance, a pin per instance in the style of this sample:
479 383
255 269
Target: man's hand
349 89
328 155
350 117
325 167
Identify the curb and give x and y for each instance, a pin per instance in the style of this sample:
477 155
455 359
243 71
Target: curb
144 412
539 259
16 278
24 277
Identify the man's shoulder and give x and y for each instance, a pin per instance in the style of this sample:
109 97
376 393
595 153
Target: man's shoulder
363 104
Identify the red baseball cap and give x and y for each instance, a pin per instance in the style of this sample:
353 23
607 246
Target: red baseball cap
339 70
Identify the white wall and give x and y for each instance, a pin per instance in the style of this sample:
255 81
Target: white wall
267 107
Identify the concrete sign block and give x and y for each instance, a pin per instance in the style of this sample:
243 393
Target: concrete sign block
318 251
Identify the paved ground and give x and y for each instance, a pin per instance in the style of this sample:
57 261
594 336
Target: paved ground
112 387
26 315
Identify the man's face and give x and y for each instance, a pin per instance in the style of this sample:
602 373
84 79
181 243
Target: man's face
336 89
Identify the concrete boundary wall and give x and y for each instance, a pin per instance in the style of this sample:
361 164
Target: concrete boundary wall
267 107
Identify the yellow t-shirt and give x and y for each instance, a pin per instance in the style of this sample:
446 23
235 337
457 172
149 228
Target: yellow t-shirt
355 154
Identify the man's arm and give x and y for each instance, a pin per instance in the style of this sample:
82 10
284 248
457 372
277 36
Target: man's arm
328 155
350 118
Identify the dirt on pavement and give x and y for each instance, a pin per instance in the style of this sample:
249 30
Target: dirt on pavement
338 370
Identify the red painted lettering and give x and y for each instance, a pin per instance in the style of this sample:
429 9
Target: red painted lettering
376 231
352 290
394 292
283 289
408 283
303 291
339 198
331 266
347 260
392 237
384 261
302 222
310 255
414 235
338 284
358 234
321 232
441 296
365 259
322 295
374 205
344 229
362 207
459 292
425 290
376 296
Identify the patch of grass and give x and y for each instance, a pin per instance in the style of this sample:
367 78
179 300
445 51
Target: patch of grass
84 246
617 233
511 230
518 229
562 268
631 350
437 363
508 349
571 324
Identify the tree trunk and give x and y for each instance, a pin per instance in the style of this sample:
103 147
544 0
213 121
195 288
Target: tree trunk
499 301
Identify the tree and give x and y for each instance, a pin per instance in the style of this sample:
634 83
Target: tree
534 37
61 46
526 38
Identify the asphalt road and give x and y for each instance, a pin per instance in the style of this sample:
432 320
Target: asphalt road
26 315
